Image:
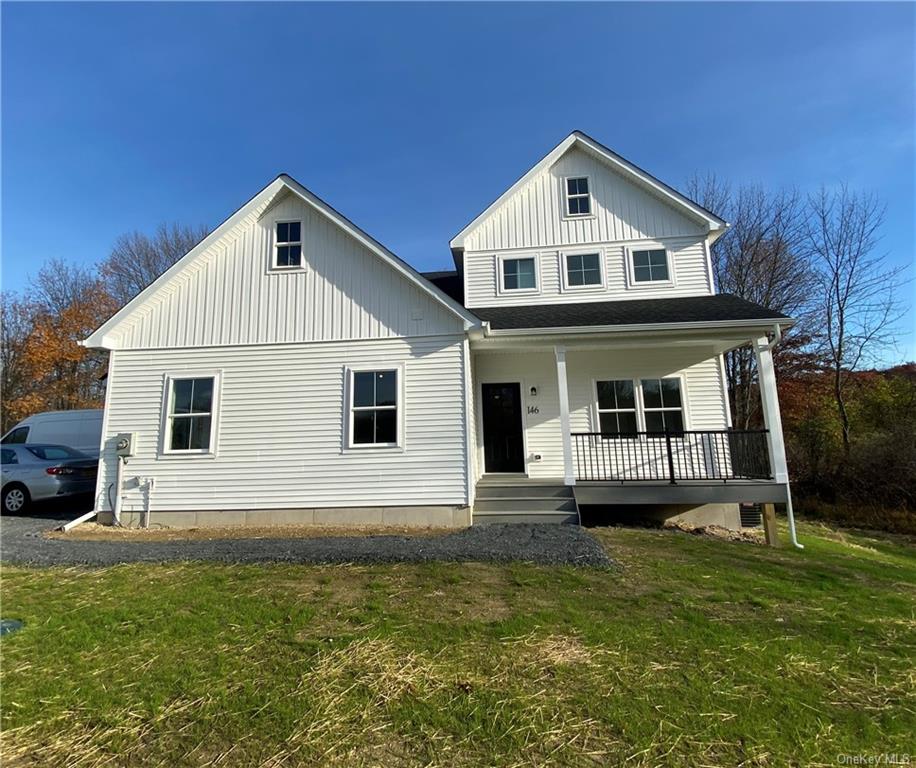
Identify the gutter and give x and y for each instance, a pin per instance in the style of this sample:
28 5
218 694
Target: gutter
629 328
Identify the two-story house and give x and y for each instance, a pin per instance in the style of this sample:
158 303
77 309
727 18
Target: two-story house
290 368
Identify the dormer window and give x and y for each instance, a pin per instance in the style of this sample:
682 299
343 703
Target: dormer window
288 245
578 201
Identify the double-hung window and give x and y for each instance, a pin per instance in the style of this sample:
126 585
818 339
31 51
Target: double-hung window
190 415
583 269
662 405
519 274
650 266
288 245
617 408
374 408
578 201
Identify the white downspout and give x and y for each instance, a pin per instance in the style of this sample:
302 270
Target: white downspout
790 513
116 511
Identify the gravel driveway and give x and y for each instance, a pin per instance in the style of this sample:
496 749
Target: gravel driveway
22 542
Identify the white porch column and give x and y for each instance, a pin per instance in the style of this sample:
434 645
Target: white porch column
769 399
569 473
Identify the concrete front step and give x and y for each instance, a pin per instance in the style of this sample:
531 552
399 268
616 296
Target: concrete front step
525 504
520 500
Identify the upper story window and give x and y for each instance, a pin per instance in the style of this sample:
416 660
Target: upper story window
288 245
578 201
583 269
374 408
662 405
189 426
650 266
519 274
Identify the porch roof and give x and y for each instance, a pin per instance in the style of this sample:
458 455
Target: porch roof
719 308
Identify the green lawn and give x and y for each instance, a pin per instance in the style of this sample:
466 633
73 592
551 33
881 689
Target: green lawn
693 653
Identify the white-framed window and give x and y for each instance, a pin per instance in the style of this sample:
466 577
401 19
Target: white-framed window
628 406
191 414
583 270
287 245
578 198
663 407
649 266
375 407
617 408
518 273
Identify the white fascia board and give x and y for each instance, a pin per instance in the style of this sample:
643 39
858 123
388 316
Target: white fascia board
637 328
101 337
714 224
401 266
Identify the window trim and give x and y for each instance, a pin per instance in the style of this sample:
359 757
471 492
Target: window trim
599 410
564 270
349 377
630 250
169 379
640 399
275 244
500 274
566 197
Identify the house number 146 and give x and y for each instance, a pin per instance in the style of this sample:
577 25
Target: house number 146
533 409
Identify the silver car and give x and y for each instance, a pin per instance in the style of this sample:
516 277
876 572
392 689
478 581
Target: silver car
37 471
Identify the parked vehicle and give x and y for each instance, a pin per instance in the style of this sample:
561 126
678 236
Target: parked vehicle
80 430
34 472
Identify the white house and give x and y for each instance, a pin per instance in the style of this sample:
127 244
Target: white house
290 368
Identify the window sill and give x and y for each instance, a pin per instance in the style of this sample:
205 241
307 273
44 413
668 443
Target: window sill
372 447
177 455
285 270
578 216
651 284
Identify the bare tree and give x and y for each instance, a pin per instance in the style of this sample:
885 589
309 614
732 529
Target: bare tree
761 257
137 259
856 288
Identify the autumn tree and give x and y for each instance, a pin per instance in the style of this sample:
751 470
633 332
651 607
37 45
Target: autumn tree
16 318
136 259
65 304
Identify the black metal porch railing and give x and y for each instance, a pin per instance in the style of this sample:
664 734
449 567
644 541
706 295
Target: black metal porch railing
672 456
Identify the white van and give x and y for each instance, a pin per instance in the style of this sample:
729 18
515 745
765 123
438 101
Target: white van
81 430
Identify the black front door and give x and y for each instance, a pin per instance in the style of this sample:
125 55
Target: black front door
503 446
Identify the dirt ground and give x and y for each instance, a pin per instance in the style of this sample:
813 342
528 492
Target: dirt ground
96 532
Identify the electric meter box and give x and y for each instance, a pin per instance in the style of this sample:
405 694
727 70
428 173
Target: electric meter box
126 444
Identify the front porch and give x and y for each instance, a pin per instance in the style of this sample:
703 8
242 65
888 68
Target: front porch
623 419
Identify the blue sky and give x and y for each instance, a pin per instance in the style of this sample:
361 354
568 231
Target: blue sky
411 118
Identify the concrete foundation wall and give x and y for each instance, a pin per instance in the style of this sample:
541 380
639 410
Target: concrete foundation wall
724 515
413 516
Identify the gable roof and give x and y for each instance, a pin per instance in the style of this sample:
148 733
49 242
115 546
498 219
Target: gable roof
258 204
619 164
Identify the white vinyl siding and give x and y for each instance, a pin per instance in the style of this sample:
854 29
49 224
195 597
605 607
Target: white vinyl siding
535 216
231 295
687 261
283 423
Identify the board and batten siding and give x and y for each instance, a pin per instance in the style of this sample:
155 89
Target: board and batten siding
699 368
229 295
281 428
533 217
687 258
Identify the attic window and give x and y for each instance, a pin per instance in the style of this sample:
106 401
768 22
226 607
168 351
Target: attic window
578 202
288 245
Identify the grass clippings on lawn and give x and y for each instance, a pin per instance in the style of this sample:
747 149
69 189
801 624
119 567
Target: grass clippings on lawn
695 652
